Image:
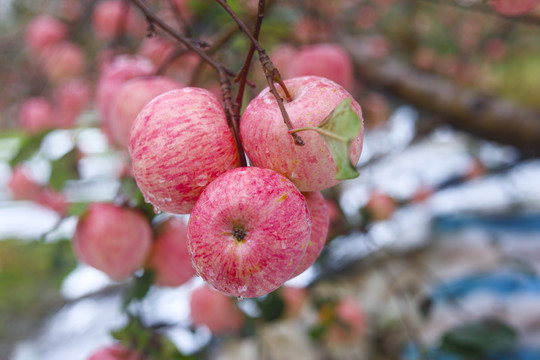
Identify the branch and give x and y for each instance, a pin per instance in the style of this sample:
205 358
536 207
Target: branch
477 113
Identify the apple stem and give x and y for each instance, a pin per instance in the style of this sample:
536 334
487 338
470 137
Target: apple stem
271 72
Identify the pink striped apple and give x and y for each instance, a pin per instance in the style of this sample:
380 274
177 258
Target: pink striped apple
215 311
248 231
131 98
179 143
63 61
44 31
114 17
513 7
169 257
112 239
320 220
268 144
36 114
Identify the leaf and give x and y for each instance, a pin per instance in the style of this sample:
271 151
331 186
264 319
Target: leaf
139 288
478 338
77 208
64 169
338 130
29 146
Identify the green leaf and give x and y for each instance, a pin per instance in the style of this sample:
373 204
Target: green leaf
478 339
29 146
338 129
64 169
272 306
77 208
139 288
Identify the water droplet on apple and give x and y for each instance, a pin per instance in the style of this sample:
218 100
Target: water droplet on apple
240 298
201 180
157 210
146 200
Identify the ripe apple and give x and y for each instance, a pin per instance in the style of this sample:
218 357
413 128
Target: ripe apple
44 31
53 200
109 16
268 143
214 310
179 143
36 114
112 77
349 323
513 7
71 97
115 352
21 184
248 231
169 257
325 60
380 206
131 98
63 61
320 221
112 239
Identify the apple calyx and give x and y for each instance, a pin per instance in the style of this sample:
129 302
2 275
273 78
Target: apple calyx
239 234
338 129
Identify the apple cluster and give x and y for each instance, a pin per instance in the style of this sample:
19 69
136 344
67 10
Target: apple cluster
250 228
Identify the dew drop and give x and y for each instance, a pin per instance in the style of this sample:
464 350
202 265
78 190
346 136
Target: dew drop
157 210
240 298
146 200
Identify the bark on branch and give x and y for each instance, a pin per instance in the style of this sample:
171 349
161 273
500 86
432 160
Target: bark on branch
477 113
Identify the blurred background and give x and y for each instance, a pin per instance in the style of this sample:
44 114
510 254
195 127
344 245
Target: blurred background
433 252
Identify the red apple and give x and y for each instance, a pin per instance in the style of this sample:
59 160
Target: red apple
248 232
349 323
22 185
131 98
44 31
113 76
71 97
113 239
214 310
169 257
113 17
325 60
513 7
115 352
268 143
179 143
294 298
63 61
36 114
320 220
380 206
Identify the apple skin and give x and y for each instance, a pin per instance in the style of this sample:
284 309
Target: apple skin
380 206
349 324
513 7
44 31
274 220
320 220
214 310
108 15
294 299
169 257
21 184
268 144
115 352
131 99
36 114
71 97
325 60
112 239
179 143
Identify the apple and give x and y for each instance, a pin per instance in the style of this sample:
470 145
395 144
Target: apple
71 97
115 352
22 185
53 200
109 16
63 61
214 310
131 98
112 239
112 77
380 206
268 144
349 323
320 220
294 299
179 143
169 257
325 60
156 49
513 7
44 31
36 114
248 232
